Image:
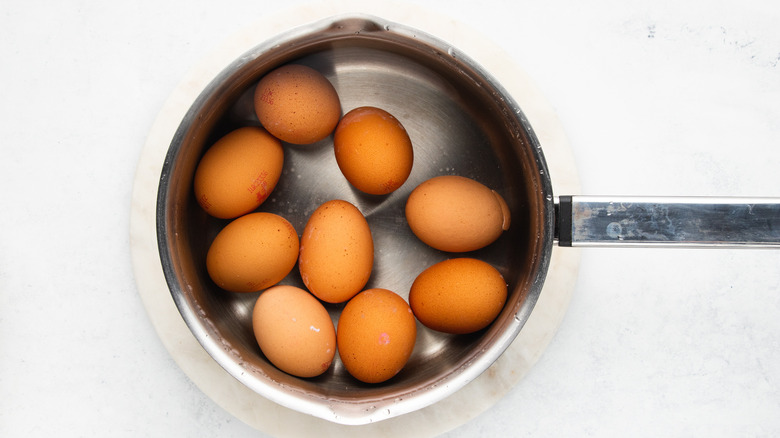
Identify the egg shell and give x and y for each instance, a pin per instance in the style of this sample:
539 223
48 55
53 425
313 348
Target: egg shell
238 172
458 296
253 252
337 252
456 214
373 150
294 331
376 333
297 104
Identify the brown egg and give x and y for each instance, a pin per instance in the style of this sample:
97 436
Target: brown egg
252 253
297 104
337 252
376 333
373 150
458 296
238 172
456 214
294 331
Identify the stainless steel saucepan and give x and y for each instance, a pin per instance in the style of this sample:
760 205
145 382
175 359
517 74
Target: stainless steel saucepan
461 121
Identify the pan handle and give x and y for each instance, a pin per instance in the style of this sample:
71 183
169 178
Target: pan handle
668 221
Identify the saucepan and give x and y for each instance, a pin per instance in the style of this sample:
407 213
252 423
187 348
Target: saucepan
461 122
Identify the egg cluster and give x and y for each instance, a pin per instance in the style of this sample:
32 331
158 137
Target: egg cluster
256 250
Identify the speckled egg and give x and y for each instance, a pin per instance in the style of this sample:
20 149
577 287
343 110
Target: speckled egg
253 252
373 150
456 214
376 334
458 296
297 104
238 172
294 331
337 252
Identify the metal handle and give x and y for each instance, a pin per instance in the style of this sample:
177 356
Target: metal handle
668 221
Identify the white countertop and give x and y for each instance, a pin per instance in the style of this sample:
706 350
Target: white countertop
657 98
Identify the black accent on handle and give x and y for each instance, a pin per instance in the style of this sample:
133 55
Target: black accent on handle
564 220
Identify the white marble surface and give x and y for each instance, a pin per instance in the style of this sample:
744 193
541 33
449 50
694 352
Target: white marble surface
294 420
656 97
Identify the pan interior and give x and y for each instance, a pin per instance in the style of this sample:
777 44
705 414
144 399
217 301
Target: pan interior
459 122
